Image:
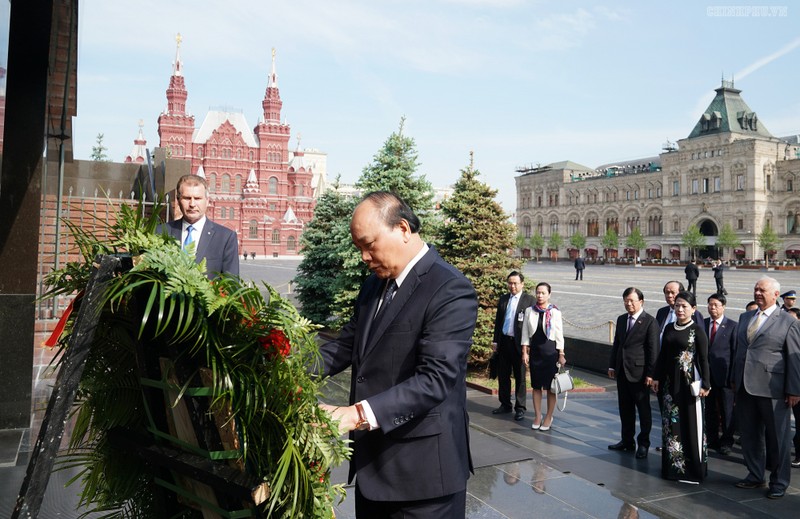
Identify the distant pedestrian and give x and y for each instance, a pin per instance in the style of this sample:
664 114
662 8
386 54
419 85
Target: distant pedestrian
252 255
718 267
245 255
692 273
580 264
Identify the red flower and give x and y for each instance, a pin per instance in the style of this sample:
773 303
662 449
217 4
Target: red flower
275 344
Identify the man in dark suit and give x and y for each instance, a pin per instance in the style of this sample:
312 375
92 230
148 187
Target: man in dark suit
215 243
766 379
718 269
506 342
580 265
407 347
632 362
719 404
692 273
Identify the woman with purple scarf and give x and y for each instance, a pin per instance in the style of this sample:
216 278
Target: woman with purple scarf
543 350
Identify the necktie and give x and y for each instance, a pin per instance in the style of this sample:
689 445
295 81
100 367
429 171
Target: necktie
189 240
508 323
713 332
753 327
388 294
631 320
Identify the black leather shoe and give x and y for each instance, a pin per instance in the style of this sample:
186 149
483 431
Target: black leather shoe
775 494
519 415
725 450
502 410
746 483
641 452
619 446
796 462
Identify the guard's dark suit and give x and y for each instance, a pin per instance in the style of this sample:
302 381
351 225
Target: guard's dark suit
510 351
218 245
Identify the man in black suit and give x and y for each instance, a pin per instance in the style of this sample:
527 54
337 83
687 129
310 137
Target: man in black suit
721 347
407 345
632 362
766 381
215 243
718 269
692 273
507 336
580 265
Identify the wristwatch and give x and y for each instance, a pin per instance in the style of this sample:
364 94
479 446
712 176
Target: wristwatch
362 424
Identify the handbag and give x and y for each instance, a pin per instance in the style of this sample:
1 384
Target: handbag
493 361
697 384
562 383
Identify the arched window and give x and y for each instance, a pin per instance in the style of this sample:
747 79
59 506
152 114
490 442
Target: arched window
251 155
238 184
273 186
226 184
238 154
276 237
212 182
290 243
222 213
200 152
253 229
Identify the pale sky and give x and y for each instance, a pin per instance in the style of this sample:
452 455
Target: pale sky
518 82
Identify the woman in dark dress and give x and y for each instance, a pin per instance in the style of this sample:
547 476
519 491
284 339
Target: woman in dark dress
683 359
543 350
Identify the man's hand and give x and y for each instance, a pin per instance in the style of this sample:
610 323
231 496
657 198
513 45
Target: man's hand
347 416
612 373
654 386
792 400
494 346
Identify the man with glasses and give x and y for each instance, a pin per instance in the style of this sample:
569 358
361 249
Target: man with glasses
721 347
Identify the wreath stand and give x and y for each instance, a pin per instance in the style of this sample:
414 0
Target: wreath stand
191 447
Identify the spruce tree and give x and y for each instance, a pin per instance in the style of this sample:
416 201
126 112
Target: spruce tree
478 240
99 150
335 271
394 169
326 246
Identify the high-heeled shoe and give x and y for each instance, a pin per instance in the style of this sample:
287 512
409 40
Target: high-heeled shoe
544 427
536 426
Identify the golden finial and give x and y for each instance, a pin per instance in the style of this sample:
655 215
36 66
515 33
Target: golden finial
178 39
141 123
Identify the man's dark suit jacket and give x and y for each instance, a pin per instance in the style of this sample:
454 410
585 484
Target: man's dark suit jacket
720 353
692 272
410 366
634 353
525 300
218 245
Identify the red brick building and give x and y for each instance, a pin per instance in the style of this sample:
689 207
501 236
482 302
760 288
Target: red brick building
258 188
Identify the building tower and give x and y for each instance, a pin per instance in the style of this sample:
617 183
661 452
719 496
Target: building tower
175 125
